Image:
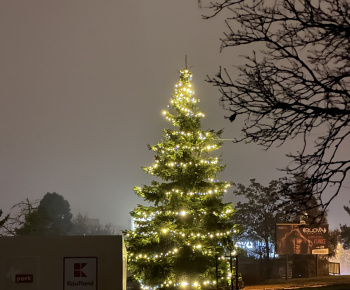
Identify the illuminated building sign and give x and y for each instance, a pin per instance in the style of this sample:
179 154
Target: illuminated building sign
253 248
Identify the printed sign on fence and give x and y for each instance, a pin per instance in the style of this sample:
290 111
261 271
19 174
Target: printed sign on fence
301 239
80 273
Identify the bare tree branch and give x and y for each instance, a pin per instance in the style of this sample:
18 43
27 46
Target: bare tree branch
297 84
20 213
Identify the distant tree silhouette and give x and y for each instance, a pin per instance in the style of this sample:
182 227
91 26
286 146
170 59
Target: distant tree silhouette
82 225
300 203
333 241
264 206
258 213
51 217
298 82
345 232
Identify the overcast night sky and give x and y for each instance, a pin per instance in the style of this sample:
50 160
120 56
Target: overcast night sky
82 87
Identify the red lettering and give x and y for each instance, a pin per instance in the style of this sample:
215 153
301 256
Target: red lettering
24 278
320 241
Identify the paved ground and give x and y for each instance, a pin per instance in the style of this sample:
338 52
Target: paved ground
296 283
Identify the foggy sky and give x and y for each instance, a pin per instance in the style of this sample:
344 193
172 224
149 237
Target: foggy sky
82 87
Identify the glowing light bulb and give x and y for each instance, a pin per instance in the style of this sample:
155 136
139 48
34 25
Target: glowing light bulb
184 284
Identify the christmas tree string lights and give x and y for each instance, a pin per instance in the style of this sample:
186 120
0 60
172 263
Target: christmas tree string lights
180 241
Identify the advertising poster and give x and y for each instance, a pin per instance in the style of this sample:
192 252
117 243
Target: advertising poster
300 239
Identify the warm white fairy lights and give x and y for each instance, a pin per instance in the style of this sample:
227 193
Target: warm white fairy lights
183 102
147 217
181 284
162 149
183 154
200 162
213 188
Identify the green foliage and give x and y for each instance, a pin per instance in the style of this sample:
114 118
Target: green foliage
345 236
345 232
262 207
178 238
333 241
51 217
303 203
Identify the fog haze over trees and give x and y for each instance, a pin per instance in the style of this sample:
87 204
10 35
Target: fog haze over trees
50 216
82 225
296 85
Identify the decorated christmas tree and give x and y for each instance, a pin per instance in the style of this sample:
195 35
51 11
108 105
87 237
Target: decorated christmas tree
183 238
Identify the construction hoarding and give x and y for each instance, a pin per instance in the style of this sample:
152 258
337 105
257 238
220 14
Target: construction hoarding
63 263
